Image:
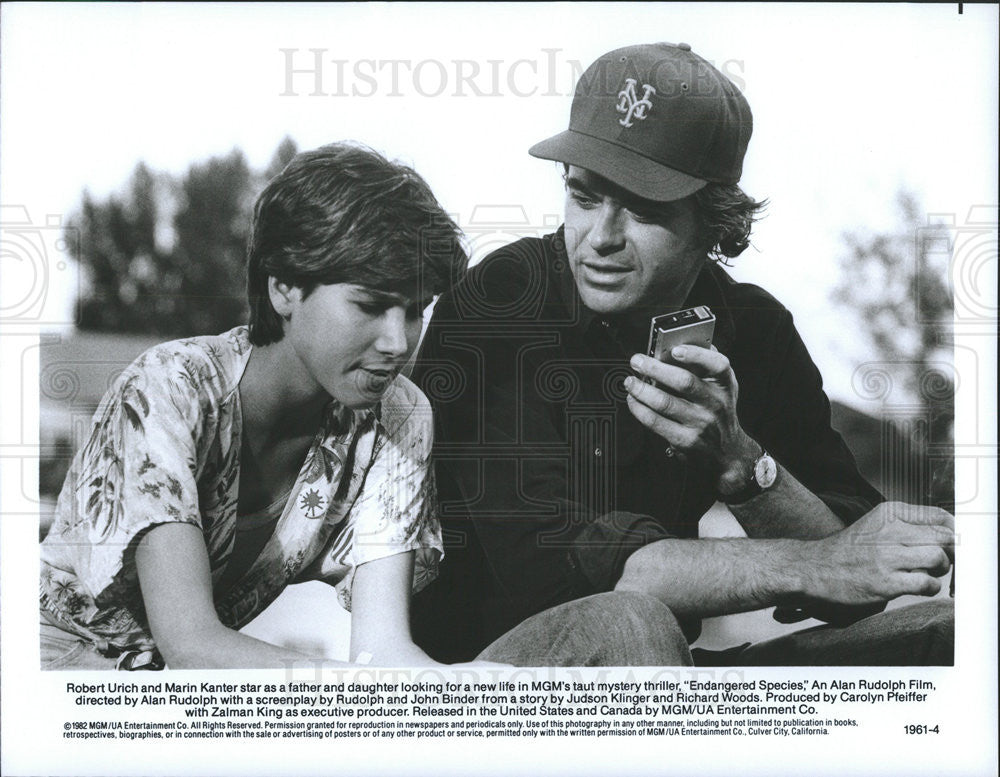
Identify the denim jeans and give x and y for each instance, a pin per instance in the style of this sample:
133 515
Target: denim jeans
918 635
620 628
632 629
61 649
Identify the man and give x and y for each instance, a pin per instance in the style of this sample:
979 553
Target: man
569 463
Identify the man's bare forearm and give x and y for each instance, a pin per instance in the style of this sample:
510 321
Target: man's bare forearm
786 510
708 577
893 550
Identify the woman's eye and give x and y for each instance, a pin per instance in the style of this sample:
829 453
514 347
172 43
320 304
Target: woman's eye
370 308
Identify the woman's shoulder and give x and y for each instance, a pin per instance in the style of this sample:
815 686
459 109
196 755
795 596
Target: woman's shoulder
405 410
404 393
218 353
212 363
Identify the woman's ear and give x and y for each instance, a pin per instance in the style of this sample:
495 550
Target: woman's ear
283 297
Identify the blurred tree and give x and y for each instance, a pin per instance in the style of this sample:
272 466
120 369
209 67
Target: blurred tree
167 258
212 226
282 156
898 283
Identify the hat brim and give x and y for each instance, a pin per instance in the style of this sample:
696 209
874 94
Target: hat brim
622 166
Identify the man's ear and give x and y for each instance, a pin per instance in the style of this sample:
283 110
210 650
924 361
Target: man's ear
283 297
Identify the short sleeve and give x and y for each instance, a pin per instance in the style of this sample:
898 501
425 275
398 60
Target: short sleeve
395 512
136 471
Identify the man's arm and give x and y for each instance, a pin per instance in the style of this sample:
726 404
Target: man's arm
693 408
895 549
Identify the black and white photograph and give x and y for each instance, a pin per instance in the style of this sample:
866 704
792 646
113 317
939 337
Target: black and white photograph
470 372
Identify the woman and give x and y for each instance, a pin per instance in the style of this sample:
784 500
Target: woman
220 469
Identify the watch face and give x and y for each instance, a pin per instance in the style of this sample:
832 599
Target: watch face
765 471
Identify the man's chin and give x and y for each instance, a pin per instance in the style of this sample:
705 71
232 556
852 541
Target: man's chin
605 302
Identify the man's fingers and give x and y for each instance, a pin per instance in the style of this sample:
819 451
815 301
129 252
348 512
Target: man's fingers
658 400
675 434
937 537
709 364
678 380
935 561
921 515
916 583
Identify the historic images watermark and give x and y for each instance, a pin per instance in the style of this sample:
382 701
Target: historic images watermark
319 72
36 256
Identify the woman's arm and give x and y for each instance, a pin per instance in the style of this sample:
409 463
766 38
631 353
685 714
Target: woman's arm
176 582
380 613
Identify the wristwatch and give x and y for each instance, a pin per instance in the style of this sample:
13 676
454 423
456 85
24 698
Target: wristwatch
762 477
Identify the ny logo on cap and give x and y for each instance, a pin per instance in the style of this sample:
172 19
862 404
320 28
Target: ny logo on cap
630 105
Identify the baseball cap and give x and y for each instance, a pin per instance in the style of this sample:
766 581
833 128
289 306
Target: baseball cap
657 120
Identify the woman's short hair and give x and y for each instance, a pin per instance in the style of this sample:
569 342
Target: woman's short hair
343 213
727 215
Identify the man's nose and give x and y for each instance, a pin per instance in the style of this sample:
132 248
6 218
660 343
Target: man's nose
606 235
393 334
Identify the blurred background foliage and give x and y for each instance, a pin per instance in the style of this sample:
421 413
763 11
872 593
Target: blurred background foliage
896 287
167 256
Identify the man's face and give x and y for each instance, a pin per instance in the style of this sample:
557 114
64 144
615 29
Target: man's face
350 340
629 255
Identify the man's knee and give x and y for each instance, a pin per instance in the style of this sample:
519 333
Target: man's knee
933 632
645 620
609 629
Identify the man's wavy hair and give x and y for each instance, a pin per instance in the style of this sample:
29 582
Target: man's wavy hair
727 214
345 214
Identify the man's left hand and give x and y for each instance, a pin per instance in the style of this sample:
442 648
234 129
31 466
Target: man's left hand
692 406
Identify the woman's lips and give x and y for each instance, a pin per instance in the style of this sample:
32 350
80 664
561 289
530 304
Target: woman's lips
377 379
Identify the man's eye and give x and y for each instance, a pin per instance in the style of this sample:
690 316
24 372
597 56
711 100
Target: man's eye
583 200
645 217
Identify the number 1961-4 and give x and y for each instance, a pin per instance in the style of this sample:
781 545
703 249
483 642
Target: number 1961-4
921 728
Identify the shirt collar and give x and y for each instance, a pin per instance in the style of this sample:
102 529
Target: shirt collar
343 423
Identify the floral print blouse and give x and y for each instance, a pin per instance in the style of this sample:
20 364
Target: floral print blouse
164 447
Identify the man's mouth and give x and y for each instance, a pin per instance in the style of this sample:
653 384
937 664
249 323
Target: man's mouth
604 273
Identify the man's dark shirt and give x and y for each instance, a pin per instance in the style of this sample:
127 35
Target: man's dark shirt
546 482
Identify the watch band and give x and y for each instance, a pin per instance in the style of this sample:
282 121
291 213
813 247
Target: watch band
763 474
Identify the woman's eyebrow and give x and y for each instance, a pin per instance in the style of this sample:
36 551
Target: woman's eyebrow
389 298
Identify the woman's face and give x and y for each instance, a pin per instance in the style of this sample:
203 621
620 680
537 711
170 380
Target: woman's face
350 340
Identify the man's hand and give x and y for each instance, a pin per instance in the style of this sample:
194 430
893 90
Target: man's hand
693 408
893 550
